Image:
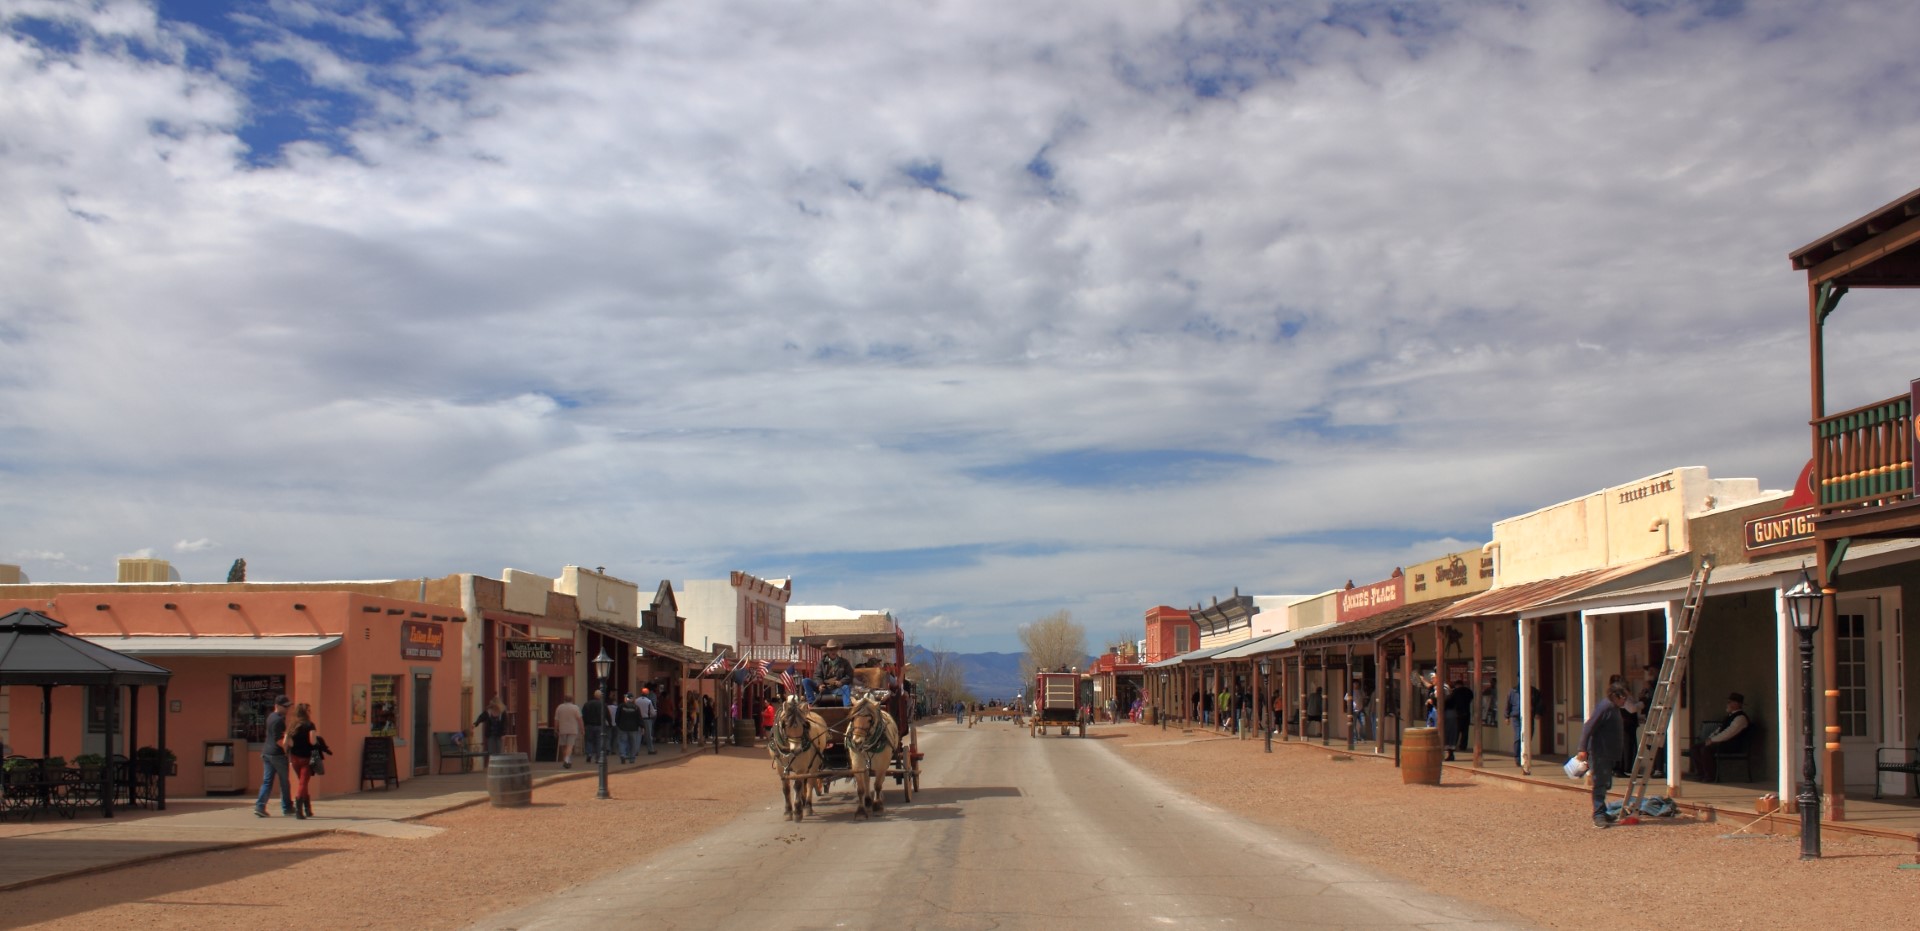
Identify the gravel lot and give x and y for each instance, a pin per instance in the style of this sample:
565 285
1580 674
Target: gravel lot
1535 851
1531 851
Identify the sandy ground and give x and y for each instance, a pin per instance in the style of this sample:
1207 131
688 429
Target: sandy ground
1535 851
483 860
1531 851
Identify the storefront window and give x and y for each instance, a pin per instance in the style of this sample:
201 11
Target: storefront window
252 701
386 706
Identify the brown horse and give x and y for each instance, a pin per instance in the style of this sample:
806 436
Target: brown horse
871 736
797 740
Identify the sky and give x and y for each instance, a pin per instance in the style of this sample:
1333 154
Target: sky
972 310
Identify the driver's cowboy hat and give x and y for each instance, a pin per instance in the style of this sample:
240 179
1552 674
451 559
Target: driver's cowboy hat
830 645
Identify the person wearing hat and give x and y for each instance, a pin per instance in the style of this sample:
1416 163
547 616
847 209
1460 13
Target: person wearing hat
274 763
1730 735
833 674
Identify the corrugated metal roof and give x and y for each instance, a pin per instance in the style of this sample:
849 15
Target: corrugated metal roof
1196 655
647 639
1276 642
1514 599
1379 625
1734 576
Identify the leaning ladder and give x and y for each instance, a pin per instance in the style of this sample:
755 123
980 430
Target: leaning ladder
1653 730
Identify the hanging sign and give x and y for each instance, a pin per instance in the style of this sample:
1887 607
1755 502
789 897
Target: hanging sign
539 651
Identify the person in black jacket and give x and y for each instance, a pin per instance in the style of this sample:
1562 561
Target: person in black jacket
626 719
1603 741
1459 715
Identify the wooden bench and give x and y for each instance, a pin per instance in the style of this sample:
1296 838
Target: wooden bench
451 748
1897 760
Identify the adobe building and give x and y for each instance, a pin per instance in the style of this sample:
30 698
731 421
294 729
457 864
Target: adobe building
379 662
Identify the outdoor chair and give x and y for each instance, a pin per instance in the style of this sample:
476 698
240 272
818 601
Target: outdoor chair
1898 760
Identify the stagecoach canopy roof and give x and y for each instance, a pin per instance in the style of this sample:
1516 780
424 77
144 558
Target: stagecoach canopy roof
34 650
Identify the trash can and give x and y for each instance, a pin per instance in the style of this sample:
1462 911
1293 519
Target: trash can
1420 756
546 747
223 767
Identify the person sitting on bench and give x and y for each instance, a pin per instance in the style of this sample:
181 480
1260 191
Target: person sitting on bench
1730 736
833 675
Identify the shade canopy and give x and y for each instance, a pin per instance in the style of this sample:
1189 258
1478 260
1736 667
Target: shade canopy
34 650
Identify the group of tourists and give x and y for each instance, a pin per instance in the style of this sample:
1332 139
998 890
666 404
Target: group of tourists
625 727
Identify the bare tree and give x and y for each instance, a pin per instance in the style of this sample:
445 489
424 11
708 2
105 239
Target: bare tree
1052 642
938 679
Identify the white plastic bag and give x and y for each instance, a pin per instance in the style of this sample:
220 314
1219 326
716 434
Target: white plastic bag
1576 768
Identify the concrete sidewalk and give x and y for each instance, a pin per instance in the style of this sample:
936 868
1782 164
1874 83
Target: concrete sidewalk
52 848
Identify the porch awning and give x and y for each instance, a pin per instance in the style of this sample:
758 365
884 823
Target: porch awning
1195 655
1273 643
651 642
1752 576
1379 625
1512 601
214 646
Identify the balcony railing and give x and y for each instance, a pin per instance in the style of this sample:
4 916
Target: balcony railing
779 654
1864 456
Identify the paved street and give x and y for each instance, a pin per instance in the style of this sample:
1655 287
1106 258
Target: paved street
1009 832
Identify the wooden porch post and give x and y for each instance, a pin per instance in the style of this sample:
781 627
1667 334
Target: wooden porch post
1480 683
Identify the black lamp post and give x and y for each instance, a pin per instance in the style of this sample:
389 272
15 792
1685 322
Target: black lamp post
1266 725
1803 609
603 667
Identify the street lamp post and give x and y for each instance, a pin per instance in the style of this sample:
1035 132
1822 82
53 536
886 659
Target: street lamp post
1803 608
603 667
1266 727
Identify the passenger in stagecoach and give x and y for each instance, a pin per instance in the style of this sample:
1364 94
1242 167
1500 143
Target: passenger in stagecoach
872 673
834 675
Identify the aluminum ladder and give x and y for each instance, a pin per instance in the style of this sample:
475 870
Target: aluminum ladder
1659 714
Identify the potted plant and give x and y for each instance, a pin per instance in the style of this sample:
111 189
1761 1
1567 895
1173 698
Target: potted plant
89 762
153 759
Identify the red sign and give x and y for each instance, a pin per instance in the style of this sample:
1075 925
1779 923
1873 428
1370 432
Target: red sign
1369 600
421 640
1803 492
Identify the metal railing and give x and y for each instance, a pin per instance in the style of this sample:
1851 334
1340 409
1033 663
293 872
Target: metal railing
1864 457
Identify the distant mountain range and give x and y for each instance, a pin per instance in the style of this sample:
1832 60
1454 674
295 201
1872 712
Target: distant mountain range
995 675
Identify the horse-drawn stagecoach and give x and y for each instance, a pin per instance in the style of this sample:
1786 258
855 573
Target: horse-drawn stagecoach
867 741
1060 699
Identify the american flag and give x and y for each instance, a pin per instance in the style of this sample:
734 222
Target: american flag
762 667
719 664
786 679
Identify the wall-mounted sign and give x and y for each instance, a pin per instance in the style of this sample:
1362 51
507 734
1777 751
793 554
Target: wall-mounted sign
1368 600
1780 529
1648 490
539 651
421 640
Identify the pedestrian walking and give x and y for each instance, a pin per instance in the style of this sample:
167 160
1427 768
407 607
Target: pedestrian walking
274 763
568 725
594 715
649 713
626 722
304 745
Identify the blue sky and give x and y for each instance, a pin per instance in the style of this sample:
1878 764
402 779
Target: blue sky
973 311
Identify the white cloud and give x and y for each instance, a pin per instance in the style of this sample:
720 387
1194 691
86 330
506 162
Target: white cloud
655 288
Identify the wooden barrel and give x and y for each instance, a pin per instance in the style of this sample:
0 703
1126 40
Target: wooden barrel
510 780
1420 756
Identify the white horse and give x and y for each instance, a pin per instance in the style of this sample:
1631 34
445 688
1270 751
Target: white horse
796 743
871 736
